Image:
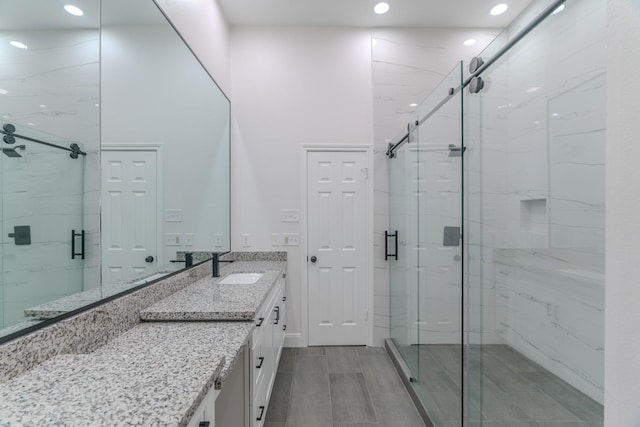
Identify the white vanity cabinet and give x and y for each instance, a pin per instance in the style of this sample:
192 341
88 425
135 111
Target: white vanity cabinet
266 347
205 415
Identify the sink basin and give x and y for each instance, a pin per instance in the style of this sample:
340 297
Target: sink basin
241 279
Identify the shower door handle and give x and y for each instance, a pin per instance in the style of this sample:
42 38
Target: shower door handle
74 254
387 255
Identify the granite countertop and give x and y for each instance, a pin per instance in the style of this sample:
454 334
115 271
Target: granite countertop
154 374
207 299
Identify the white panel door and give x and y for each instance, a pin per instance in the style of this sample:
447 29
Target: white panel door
129 217
336 238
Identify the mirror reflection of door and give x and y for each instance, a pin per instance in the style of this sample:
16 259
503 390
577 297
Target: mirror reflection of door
129 212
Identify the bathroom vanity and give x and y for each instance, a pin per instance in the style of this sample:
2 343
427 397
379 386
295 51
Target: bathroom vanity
205 355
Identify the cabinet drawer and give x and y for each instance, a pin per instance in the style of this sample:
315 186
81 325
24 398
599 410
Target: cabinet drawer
259 405
206 412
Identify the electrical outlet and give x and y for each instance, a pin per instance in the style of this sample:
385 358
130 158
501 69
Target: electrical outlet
173 215
217 241
188 239
291 215
275 239
246 240
172 239
290 239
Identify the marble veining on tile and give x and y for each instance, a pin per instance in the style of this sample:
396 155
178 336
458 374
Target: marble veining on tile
207 299
154 374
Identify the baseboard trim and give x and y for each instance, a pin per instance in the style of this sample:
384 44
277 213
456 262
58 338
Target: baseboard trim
294 340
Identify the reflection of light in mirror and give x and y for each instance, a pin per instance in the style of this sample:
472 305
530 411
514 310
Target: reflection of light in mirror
469 42
537 122
499 9
3 91
31 124
43 106
381 8
413 105
18 44
374 42
74 10
556 114
559 9
533 89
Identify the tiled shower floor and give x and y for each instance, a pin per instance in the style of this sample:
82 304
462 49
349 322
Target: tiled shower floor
507 390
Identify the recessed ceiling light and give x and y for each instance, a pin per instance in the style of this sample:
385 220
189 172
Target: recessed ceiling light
43 106
533 89
19 45
381 8
469 42
3 91
374 42
413 105
31 124
559 9
499 9
74 10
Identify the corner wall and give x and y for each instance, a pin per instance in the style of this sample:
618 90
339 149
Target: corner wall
622 316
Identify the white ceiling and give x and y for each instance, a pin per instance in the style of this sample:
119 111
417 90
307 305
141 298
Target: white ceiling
359 13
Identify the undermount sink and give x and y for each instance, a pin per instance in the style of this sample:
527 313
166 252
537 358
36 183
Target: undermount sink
241 279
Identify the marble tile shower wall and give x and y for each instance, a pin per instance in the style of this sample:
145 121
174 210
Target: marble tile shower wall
407 64
52 87
535 183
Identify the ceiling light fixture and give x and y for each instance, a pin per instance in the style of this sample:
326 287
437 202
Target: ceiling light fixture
74 10
19 45
559 9
3 91
413 105
499 9
381 8
469 42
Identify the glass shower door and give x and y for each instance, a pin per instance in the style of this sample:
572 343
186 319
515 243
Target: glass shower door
41 194
403 173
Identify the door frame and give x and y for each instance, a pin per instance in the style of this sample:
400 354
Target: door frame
158 149
367 149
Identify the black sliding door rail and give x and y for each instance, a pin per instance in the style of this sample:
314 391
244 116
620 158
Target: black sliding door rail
454 91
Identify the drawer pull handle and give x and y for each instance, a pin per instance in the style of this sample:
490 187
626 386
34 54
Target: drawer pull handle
260 320
284 299
284 327
277 310
261 414
204 424
261 359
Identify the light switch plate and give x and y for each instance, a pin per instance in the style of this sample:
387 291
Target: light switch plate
188 239
290 239
275 239
246 240
173 215
291 215
172 239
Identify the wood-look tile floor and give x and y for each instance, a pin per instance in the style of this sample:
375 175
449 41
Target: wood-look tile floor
339 387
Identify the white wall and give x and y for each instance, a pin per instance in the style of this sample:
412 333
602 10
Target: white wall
205 29
290 86
622 343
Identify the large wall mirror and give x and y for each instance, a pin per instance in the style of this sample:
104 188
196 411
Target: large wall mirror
115 155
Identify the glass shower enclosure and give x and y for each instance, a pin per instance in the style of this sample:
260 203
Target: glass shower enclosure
43 236
497 198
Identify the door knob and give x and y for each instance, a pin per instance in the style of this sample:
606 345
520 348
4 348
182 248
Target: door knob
314 259
149 259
